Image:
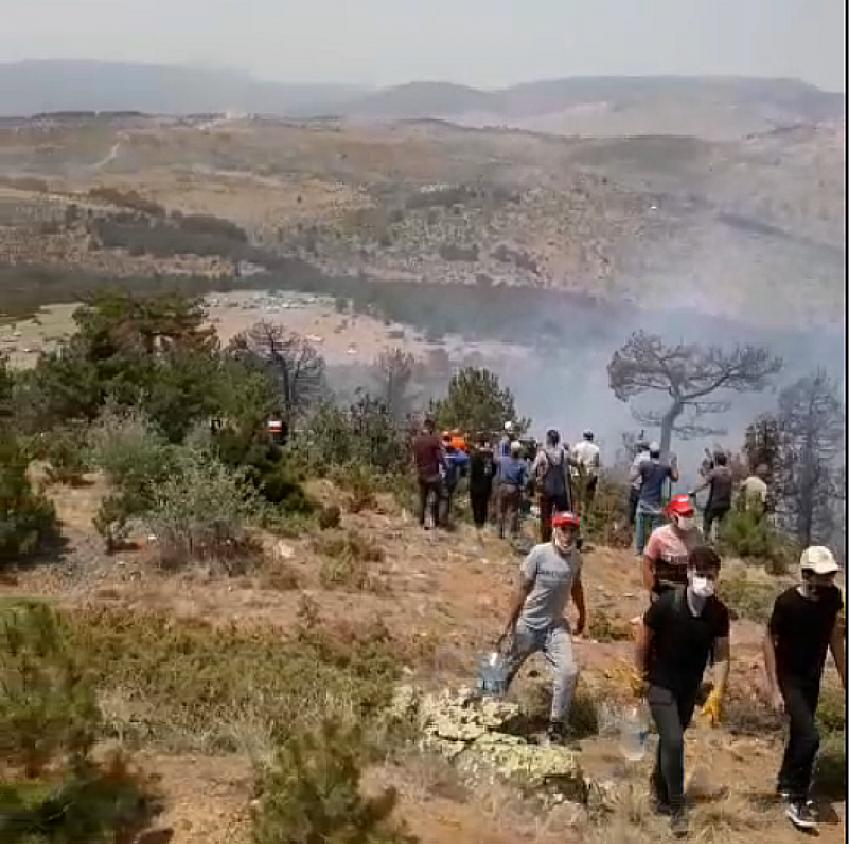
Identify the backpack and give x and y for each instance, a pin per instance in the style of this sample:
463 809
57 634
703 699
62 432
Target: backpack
554 482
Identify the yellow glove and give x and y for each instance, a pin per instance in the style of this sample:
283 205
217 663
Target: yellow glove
713 709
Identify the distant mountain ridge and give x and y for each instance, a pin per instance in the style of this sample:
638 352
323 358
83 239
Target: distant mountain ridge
30 87
580 105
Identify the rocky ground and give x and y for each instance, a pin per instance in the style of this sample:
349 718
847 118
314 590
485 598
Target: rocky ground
477 776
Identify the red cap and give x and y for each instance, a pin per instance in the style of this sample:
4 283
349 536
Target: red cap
565 519
680 505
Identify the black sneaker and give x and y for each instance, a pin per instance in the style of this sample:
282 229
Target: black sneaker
679 825
799 813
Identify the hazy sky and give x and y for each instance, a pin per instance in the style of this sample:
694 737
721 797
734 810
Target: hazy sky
480 42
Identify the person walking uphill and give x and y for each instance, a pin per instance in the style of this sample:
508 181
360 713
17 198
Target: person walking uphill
512 478
719 483
665 560
805 622
430 465
551 575
551 474
651 474
586 455
482 470
678 632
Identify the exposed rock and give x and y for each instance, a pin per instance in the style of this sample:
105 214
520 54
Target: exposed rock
473 732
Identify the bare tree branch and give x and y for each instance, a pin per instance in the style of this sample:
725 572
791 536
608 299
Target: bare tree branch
687 373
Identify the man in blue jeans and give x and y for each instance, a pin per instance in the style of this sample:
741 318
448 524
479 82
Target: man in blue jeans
551 575
651 475
805 624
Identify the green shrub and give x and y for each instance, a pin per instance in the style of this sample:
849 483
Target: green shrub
830 775
137 460
201 512
26 518
607 522
267 466
66 451
747 535
329 518
92 804
360 482
832 708
312 793
747 598
48 705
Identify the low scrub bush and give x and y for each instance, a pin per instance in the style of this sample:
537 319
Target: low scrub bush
361 484
137 460
607 521
832 708
345 562
201 513
312 793
27 518
66 452
279 576
267 466
747 598
830 775
747 535
189 683
605 628
329 518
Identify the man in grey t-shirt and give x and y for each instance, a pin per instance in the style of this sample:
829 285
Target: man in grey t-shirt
551 575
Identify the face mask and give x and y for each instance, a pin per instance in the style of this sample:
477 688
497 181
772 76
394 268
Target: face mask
815 591
684 522
702 587
563 541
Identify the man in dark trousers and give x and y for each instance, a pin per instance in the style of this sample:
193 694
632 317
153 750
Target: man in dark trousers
805 623
719 484
481 472
430 466
551 474
679 631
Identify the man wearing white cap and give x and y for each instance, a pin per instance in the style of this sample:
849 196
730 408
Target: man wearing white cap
804 624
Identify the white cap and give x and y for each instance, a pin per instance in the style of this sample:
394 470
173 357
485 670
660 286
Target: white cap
654 447
509 426
819 559
516 446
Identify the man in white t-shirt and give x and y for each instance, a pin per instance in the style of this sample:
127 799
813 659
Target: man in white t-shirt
586 455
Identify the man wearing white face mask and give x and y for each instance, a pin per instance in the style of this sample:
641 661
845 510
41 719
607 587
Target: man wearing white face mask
665 559
551 575
679 631
805 623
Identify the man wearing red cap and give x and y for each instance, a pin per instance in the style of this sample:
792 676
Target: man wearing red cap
551 575
665 558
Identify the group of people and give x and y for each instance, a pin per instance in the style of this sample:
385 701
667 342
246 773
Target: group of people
649 475
503 478
685 627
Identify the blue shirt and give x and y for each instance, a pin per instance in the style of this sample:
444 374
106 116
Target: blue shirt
653 473
512 470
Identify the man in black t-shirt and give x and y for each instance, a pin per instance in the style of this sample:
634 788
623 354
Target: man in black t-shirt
805 623
679 631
